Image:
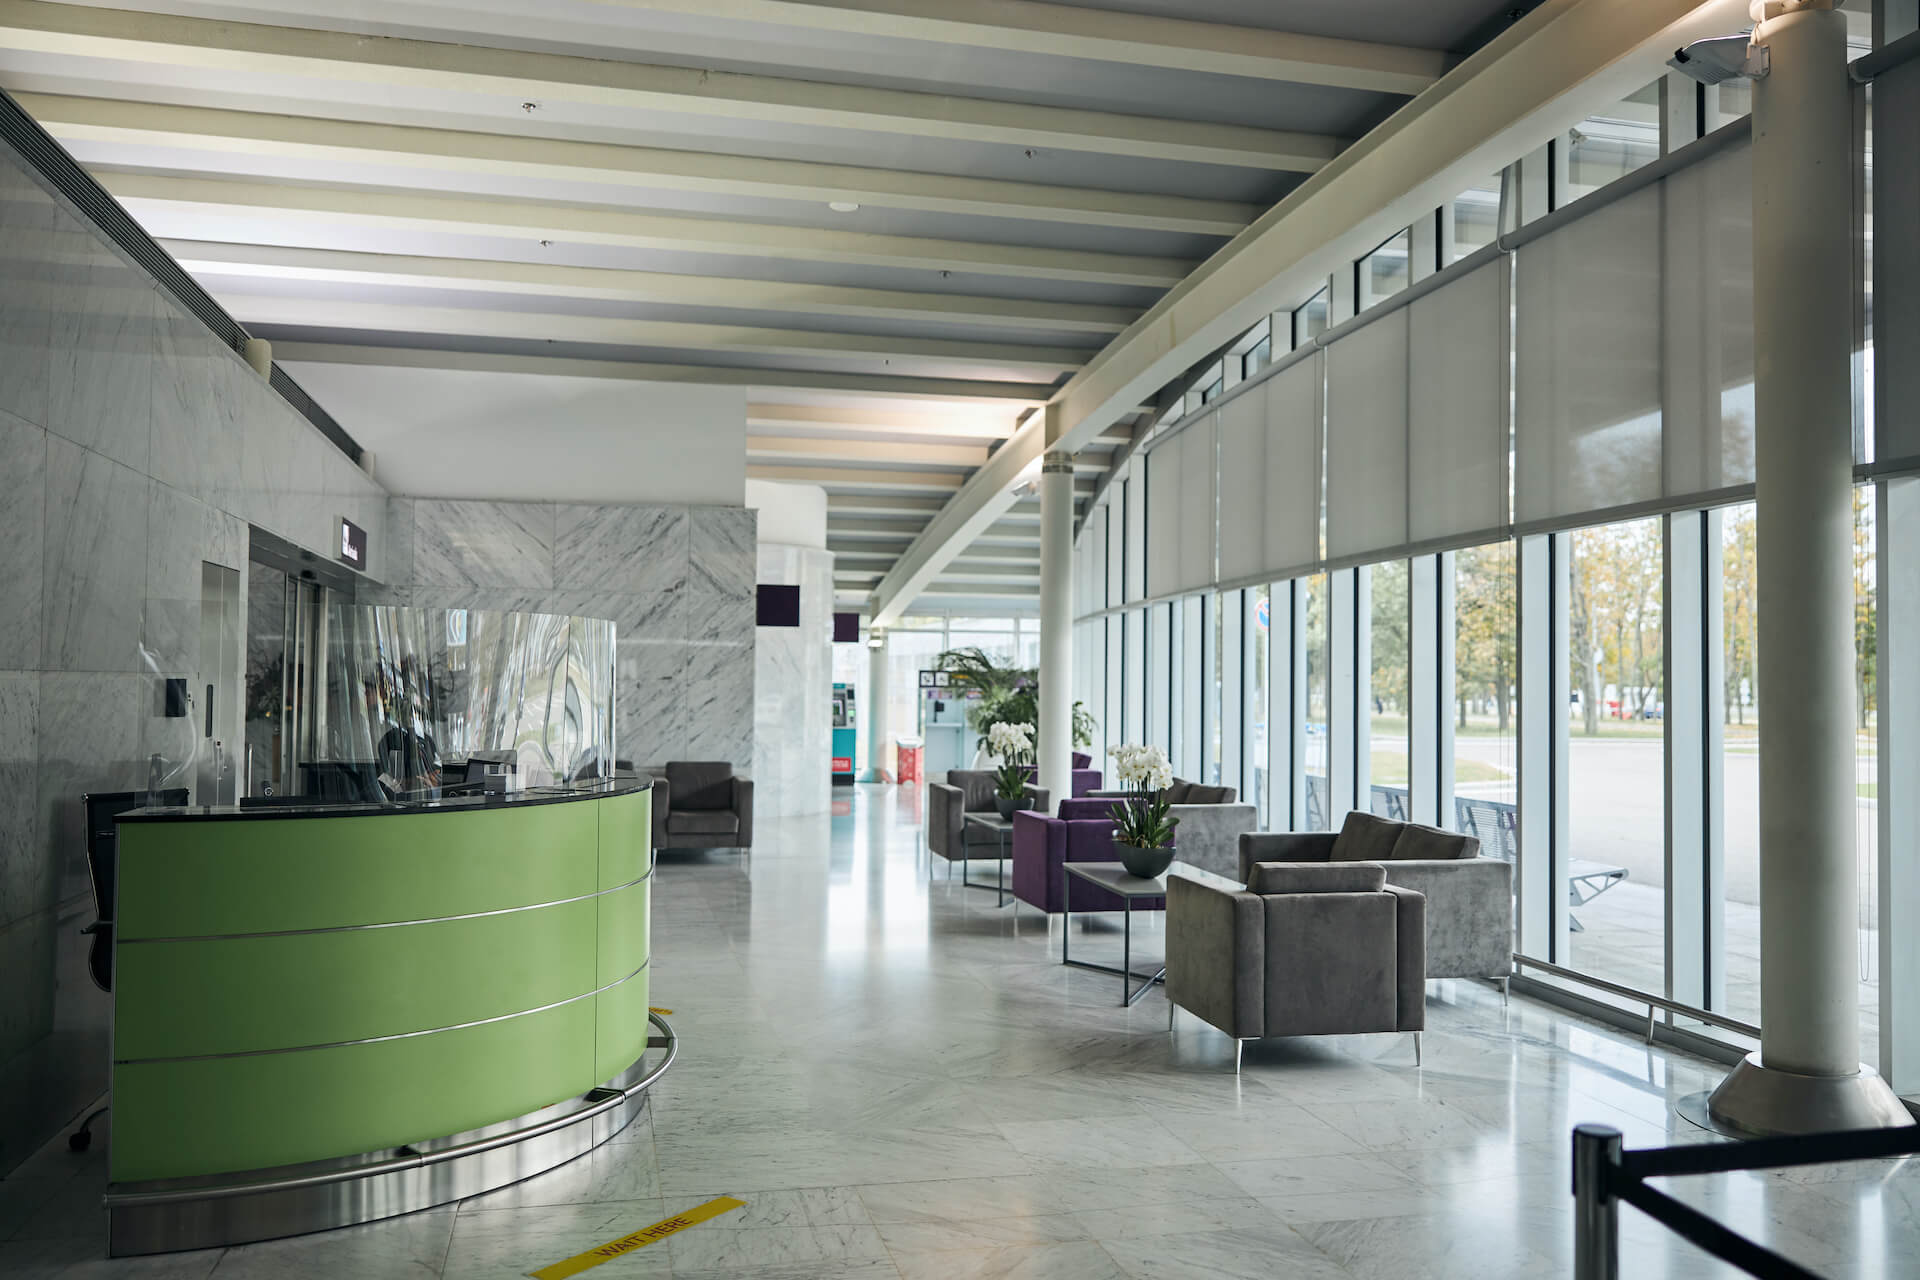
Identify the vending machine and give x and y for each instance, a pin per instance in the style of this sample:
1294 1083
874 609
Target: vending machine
845 717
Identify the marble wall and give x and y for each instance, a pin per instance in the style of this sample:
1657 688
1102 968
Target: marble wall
793 715
133 447
677 581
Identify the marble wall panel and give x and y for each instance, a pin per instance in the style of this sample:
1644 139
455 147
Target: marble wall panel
89 740
793 721
182 533
23 505
95 562
26 1016
394 555
659 618
621 549
721 551
266 450
196 433
714 617
105 335
649 702
23 884
28 218
718 692
483 544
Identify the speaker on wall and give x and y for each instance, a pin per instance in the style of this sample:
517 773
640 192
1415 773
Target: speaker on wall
779 605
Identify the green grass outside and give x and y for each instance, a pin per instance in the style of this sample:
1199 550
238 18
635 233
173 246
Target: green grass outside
1389 769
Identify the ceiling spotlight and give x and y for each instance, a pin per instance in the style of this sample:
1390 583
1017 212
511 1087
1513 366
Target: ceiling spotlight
843 206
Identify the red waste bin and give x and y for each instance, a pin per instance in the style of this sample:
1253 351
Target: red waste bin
909 759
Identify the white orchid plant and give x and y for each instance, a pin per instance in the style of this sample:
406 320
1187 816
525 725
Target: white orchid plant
1012 745
1141 817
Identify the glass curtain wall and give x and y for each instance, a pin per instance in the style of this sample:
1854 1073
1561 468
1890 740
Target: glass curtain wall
1318 702
1486 688
1616 753
1388 701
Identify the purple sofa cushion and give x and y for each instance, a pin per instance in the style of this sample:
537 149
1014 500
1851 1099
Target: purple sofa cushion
1081 760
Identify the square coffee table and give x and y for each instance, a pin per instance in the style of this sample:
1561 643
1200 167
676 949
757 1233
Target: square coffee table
1002 829
1117 880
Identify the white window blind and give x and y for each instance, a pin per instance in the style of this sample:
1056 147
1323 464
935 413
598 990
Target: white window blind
1709 324
1197 463
1164 494
1116 586
1367 438
1587 358
1896 262
1270 475
1135 475
1457 408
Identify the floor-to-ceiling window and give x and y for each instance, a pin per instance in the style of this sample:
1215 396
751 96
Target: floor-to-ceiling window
1257 719
1388 703
1616 753
1486 689
1319 668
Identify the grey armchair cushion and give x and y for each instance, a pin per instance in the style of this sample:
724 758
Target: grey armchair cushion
946 811
1317 877
1216 955
702 822
1177 793
1332 964
976 788
1410 947
1198 794
1283 846
1366 838
700 784
1430 844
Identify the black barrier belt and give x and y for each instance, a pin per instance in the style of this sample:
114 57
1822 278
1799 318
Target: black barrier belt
1770 1153
1720 1241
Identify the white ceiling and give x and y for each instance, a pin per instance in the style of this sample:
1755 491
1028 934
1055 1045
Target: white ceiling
641 188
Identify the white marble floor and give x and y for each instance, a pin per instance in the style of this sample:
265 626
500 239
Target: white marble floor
902 1081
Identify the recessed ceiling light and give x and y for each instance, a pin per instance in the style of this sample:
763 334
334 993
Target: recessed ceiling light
843 206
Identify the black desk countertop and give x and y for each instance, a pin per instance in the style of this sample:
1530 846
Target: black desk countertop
414 802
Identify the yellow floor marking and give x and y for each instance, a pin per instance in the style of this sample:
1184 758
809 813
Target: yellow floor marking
638 1240
662 1012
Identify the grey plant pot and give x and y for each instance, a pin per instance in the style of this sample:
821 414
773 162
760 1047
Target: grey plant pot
1148 864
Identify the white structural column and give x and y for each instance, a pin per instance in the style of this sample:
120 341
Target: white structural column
1807 1075
876 709
1056 624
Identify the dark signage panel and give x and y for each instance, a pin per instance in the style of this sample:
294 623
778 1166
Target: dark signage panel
353 545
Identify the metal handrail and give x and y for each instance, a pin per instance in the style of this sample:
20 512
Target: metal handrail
1654 1003
603 1100
1604 1174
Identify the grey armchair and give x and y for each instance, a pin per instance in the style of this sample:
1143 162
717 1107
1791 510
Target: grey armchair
1304 950
702 804
948 803
1469 897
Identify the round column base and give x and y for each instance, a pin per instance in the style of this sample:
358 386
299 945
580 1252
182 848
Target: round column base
1758 1101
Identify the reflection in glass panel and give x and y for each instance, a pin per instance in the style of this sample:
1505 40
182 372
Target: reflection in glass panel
1258 714
1384 272
1387 723
1212 765
1310 319
1616 788
1614 142
1319 657
1258 357
1486 688
1476 218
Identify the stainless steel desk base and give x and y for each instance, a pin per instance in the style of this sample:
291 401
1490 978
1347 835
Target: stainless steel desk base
223 1209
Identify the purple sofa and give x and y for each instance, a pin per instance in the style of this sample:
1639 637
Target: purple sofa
1042 845
1086 778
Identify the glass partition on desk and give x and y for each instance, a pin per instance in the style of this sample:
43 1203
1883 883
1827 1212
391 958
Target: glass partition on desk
406 695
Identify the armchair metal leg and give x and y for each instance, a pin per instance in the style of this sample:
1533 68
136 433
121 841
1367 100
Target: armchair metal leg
82 1138
1239 1047
1505 995
1171 1006
1416 1048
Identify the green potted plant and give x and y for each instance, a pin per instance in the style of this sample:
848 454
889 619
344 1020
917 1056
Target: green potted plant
1000 694
1012 745
1142 824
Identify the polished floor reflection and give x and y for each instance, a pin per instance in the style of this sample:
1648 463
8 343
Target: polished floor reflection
901 1080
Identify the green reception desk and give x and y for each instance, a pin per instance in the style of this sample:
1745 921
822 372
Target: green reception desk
326 1015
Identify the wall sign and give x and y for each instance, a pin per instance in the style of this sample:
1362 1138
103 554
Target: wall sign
353 544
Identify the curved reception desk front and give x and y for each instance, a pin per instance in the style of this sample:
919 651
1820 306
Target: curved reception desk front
329 1014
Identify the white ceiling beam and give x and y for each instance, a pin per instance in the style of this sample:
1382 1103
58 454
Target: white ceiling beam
878 505
536 279
493 155
1538 78
1070 31
516 76
582 224
850 480
865 453
260 310
853 420
888 386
